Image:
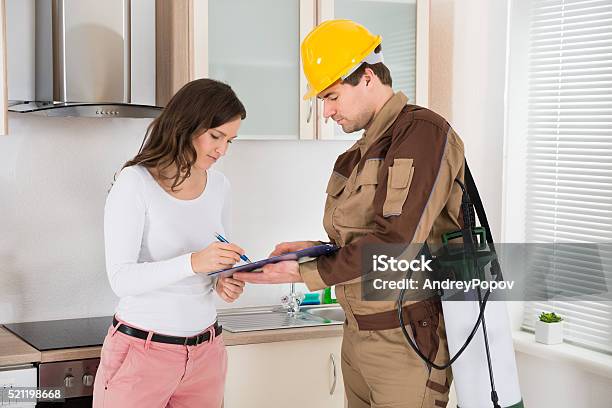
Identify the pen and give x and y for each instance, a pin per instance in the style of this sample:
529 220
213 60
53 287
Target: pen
220 238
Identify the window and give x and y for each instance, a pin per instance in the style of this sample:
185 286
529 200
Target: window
560 110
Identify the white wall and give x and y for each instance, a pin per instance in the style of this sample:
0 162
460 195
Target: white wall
279 195
54 175
467 72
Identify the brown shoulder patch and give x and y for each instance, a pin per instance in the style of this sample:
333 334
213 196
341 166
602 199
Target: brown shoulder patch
420 113
346 162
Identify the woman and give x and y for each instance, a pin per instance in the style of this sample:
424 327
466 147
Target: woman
161 215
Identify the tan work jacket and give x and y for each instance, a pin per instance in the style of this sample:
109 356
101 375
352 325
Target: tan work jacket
394 185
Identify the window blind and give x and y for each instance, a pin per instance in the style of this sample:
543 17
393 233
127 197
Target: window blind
569 154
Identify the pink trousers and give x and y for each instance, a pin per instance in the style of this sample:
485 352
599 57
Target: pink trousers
135 373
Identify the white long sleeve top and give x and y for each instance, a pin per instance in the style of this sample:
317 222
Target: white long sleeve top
149 236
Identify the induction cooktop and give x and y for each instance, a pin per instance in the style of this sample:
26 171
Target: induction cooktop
61 334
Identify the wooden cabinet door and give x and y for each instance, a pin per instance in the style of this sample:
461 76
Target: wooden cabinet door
251 45
404 27
289 373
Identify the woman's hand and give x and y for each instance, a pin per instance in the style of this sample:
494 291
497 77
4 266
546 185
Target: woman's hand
216 256
293 246
229 289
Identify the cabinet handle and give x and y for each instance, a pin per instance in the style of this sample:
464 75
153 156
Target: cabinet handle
309 111
333 386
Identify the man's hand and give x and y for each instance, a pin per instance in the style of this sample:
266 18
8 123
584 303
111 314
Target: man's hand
285 247
229 289
282 272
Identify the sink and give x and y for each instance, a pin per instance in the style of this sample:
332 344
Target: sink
274 317
334 313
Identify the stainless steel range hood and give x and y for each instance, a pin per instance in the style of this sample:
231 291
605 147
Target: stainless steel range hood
93 58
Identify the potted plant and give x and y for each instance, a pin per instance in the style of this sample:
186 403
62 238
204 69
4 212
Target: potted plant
549 329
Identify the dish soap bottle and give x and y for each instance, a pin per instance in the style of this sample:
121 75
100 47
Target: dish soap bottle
329 295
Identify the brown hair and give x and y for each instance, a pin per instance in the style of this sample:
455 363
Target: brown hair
379 69
198 106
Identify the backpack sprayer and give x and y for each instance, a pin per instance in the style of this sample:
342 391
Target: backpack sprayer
488 357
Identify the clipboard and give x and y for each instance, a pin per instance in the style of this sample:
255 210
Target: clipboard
303 255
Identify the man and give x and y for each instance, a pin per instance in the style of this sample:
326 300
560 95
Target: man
395 185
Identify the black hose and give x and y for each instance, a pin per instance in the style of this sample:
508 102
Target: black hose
494 397
426 359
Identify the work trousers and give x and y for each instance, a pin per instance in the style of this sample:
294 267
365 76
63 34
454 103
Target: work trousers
380 369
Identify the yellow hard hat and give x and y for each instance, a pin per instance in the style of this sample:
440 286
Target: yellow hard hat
332 49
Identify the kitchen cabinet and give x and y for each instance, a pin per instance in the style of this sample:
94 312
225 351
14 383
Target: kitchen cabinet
251 45
254 46
404 27
16 376
173 47
304 373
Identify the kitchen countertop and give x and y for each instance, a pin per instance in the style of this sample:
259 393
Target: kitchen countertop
15 351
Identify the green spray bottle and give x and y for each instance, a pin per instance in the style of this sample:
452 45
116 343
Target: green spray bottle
329 295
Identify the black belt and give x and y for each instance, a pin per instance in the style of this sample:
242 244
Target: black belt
160 338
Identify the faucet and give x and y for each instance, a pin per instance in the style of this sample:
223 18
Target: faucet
292 301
